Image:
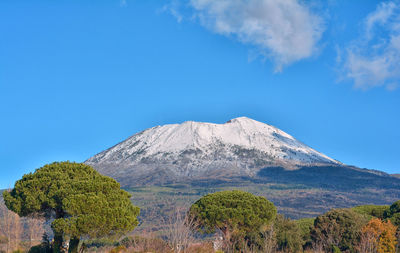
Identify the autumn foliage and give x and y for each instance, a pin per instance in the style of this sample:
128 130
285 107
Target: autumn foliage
378 236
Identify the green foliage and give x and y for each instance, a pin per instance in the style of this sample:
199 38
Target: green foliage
126 242
152 200
394 208
101 242
82 201
335 249
240 216
338 227
371 211
395 219
234 211
288 234
393 213
305 226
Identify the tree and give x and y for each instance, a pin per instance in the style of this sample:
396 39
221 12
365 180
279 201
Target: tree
178 230
370 235
305 226
288 235
10 228
235 213
35 229
338 227
82 202
378 236
393 213
387 240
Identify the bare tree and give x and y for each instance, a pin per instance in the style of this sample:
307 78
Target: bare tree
269 240
35 229
368 243
17 230
317 247
5 226
10 228
179 229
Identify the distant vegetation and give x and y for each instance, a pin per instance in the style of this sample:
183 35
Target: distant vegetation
72 203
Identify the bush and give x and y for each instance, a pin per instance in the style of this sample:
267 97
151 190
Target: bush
339 227
393 213
149 244
305 226
288 235
126 242
204 247
103 242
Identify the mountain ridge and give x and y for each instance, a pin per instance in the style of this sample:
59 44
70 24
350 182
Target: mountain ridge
241 147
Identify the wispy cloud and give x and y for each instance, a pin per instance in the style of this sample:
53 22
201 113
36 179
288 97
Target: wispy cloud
373 60
284 31
379 17
173 8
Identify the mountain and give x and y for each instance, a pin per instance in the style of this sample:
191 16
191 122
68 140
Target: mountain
174 165
195 150
396 175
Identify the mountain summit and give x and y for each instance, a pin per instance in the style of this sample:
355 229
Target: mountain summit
175 152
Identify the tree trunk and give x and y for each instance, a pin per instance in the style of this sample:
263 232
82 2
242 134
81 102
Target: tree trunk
227 238
58 236
73 245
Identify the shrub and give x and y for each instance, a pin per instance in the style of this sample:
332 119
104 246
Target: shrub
305 226
288 235
339 227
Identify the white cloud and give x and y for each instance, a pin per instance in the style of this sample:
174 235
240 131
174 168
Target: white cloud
284 31
380 16
374 59
368 72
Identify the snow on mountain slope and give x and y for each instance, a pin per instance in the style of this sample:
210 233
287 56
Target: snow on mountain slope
192 148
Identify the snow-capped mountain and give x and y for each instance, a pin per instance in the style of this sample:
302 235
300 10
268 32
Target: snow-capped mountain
241 146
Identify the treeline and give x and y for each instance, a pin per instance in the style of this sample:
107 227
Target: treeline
366 229
88 212
249 223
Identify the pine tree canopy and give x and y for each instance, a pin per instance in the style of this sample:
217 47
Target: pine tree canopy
233 212
82 201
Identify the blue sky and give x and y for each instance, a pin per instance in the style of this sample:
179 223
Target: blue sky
77 77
